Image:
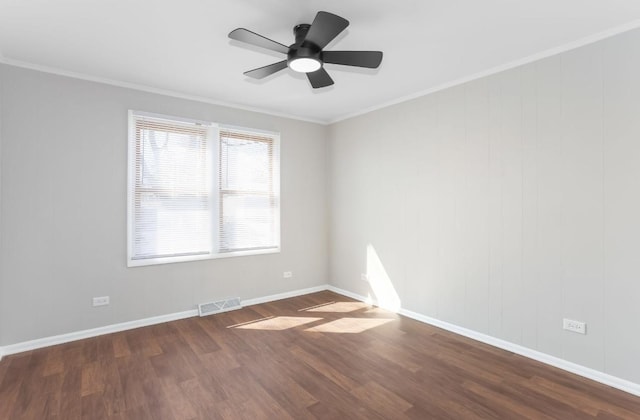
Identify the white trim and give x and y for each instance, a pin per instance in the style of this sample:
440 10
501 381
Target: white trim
131 175
186 120
108 329
149 89
238 128
142 262
285 295
352 295
591 39
94 332
595 375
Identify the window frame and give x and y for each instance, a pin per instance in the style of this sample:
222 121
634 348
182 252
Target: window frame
214 130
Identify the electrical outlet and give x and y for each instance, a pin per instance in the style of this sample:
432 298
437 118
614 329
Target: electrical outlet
287 274
364 278
574 326
101 301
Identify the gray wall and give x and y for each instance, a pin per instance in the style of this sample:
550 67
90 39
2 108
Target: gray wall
2 294
504 205
63 208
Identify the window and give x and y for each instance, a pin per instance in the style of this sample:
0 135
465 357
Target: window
198 190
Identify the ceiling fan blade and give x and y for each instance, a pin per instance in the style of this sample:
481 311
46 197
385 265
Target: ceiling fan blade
320 78
262 72
369 59
325 27
245 35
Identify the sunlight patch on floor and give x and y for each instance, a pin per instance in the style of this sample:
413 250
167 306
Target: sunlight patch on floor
349 325
248 322
374 310
339 307
277 323
316 306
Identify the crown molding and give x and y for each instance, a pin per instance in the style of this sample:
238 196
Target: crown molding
150 89
591 39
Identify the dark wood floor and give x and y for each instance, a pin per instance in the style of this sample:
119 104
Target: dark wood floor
316 356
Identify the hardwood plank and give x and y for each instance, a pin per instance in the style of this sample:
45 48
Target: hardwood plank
104 347
91 379
266 368
220 361
8 398
93 407
132 371
120 345
178 400
591 404
321 410
386 402
324 369
70 393
512 406
245 392
112 394
54 363
52 406
90 350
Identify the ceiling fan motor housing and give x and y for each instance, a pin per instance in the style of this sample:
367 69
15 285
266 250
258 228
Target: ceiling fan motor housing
302 49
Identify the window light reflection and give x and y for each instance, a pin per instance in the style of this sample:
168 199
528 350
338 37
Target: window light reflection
278 323
339 307
349 325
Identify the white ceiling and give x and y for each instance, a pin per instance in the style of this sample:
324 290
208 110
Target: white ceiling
182 46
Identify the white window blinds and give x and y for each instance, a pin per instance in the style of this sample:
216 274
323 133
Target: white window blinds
248 192
172 189
198 191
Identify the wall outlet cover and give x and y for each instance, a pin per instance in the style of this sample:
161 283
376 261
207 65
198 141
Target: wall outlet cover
101 301
574 326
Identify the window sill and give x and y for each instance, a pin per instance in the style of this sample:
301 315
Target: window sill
169 260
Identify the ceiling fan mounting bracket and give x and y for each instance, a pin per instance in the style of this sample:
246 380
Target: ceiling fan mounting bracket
300 32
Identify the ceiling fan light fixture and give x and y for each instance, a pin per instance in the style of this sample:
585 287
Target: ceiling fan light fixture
305 65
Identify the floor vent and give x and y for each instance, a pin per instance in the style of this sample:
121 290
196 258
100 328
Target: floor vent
216 307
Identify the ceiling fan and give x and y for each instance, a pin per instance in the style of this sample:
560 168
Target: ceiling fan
306 54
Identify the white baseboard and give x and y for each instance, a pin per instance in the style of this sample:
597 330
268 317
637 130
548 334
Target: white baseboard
604 378
93 332
610 380
108 329
285 295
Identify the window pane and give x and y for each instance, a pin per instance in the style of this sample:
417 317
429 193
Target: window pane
248 222
172 225
246 164
173 160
